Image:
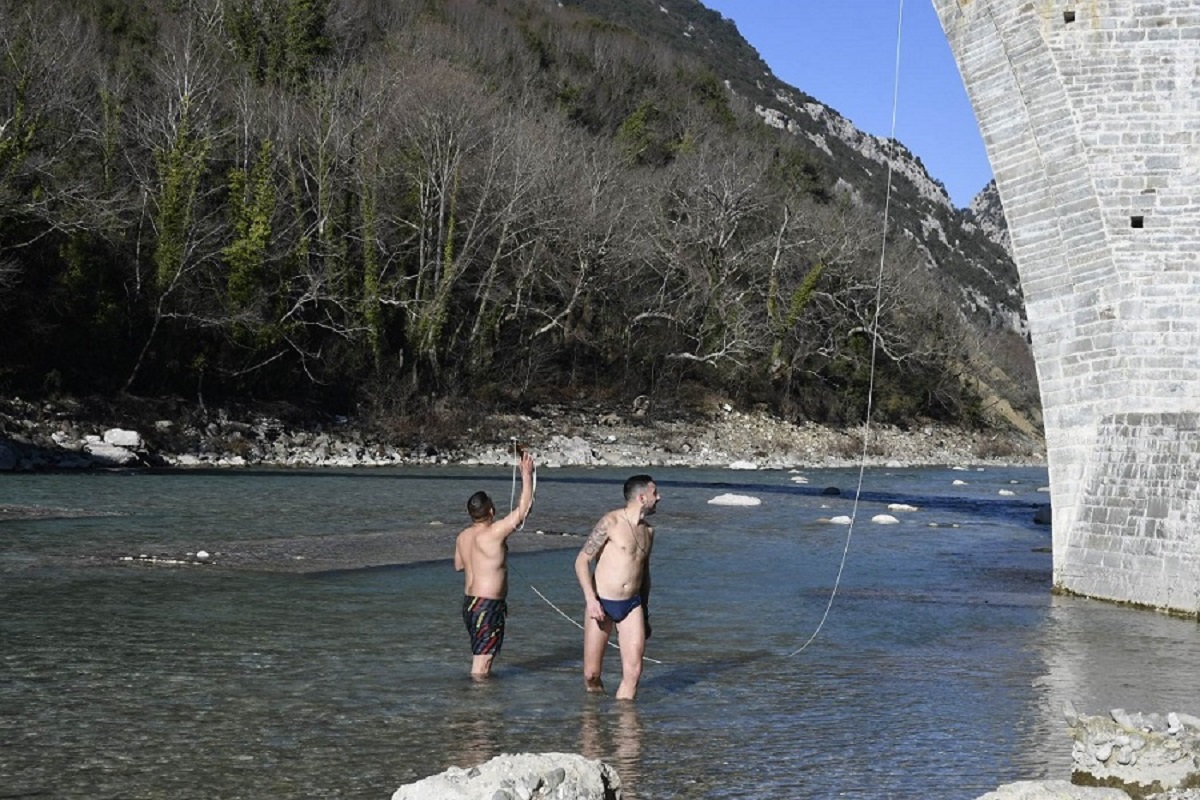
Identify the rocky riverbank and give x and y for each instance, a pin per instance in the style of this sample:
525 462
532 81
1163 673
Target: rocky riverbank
74 435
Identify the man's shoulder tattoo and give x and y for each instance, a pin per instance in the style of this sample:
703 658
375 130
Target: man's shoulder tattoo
597 537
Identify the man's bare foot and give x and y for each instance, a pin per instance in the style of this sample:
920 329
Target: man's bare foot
594 687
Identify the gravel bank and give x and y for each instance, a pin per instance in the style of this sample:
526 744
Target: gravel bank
41 436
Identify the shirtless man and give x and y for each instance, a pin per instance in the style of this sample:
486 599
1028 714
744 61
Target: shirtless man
481 551
617 592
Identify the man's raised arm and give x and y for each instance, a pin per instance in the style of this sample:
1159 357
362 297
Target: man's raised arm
517 516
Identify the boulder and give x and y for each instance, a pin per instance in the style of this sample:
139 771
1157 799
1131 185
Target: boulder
572 450
734 500
119 437
107 454
1141 754
523 776
1052 790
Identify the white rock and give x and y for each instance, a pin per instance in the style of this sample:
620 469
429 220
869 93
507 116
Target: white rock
1052 790
884 519
901 507
123 438
743 465
1188 720
734 500
202 555
558 775
957 482
841 520
109 453
1006 493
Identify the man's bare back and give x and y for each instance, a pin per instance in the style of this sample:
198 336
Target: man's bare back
482 550
481 553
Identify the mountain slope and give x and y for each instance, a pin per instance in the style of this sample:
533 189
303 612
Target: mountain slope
398 205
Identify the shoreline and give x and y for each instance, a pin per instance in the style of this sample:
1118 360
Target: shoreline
50 439
44 438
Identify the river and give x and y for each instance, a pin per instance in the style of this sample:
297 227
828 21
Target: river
939 669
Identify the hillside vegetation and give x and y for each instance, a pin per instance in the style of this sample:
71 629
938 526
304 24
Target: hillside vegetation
360 205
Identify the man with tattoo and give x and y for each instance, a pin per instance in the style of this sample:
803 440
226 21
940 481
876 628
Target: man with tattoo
481 551
617 591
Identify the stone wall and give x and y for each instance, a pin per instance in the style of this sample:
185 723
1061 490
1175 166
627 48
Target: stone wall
1090 112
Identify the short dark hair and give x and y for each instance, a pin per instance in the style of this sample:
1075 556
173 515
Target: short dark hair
636 484
480 506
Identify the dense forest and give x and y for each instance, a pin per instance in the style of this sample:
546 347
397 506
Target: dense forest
364 204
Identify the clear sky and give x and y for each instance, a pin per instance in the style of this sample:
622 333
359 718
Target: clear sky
843 52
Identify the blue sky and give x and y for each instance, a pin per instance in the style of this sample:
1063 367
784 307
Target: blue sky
843 52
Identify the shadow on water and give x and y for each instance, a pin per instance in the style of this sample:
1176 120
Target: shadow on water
673 678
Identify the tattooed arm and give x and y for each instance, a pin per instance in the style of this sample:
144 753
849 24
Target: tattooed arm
591 549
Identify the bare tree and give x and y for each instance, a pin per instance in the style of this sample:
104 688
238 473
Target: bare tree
179 128
710 262
46 89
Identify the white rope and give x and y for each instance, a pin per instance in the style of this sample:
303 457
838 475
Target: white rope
573 621
862 461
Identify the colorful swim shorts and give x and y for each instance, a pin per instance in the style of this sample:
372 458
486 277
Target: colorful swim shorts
484 619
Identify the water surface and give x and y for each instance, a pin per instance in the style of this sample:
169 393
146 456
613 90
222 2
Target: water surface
940 670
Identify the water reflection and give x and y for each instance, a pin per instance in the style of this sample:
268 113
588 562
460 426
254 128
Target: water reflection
613 734
1100 657
475 722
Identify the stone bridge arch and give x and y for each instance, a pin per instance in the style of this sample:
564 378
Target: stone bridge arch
1090 113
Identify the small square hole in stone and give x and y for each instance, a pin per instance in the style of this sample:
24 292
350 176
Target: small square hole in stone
1068 17
1137 222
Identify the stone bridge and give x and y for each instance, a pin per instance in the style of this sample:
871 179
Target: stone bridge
1090 112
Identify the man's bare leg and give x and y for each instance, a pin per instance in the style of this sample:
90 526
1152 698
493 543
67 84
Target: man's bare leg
481 666
595 639
631 636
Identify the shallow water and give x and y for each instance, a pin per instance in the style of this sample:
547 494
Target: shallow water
940 670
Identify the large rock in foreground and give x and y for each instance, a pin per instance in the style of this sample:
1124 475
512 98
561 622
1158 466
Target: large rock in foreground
525 776
1052 790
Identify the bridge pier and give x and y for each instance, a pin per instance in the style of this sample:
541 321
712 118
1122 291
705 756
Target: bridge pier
1090 113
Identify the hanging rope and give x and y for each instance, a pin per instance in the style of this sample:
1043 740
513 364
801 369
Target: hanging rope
874 328
862 461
